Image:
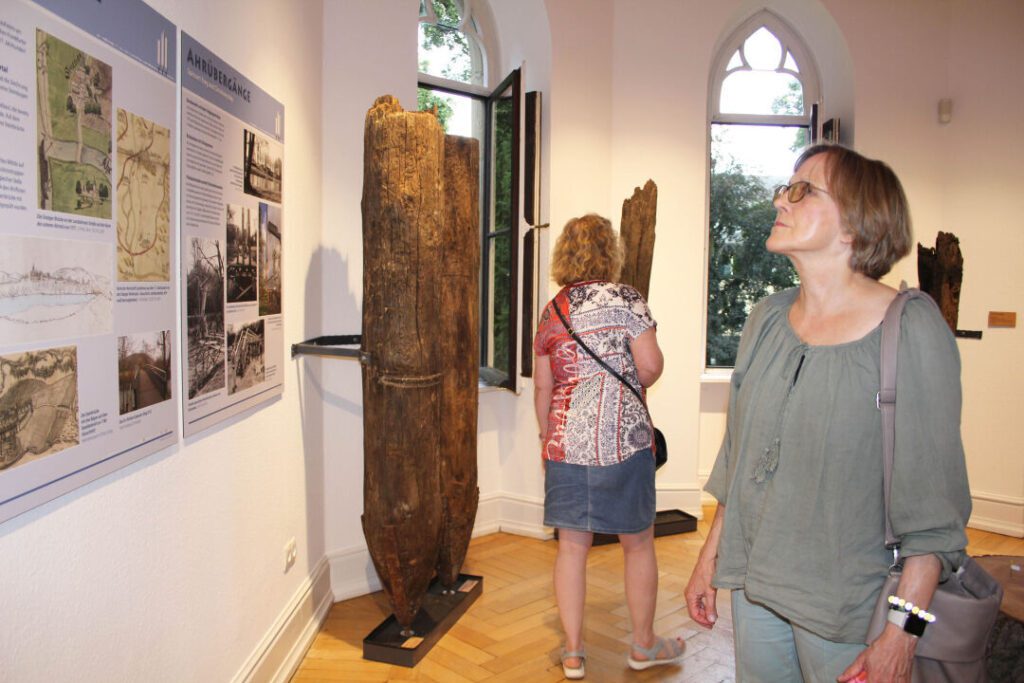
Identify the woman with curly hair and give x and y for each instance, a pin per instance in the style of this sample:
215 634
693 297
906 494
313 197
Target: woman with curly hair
596 435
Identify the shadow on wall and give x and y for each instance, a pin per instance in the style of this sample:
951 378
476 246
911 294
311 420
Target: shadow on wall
325 266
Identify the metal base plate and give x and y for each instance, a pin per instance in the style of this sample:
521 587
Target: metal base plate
439 612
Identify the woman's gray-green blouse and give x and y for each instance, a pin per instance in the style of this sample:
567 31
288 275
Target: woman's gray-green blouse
800 469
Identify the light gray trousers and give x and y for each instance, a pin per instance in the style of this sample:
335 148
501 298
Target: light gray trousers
771 649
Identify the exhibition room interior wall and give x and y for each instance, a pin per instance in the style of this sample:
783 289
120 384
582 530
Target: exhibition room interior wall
173 568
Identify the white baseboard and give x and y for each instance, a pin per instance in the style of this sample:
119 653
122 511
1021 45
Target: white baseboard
281 650
997 513
352 573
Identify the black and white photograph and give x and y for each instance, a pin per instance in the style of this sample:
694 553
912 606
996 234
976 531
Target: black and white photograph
205 313
245 356
242 249
143 370
270 259
38 404
261 166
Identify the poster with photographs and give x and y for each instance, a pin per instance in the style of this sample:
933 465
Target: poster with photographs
232 180
87 305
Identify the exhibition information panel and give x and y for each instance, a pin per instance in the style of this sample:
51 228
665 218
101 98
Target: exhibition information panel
88 172
231 181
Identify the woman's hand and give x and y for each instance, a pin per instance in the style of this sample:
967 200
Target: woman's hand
701 595
888 659
891 656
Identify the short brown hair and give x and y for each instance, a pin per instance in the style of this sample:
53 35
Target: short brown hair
872 207
587 249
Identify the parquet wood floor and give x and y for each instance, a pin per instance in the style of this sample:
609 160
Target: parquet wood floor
512 633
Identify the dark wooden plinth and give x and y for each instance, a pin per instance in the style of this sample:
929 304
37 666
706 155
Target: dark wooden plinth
666 523
439 612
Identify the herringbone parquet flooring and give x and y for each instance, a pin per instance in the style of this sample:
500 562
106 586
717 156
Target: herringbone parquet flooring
512 632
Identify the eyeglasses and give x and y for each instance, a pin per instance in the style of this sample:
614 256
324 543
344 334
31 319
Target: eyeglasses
795 191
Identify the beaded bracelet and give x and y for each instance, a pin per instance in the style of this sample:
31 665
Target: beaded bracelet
908 616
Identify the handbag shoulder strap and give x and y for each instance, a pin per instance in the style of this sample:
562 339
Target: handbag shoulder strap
600 361
886 398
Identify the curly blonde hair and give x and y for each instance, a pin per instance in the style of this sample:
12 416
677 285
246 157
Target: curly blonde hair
587 249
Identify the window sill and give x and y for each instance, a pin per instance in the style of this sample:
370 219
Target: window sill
716 376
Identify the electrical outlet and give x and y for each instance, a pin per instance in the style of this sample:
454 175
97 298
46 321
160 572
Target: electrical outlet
290 553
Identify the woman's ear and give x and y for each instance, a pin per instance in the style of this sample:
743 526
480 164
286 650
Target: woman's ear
846 236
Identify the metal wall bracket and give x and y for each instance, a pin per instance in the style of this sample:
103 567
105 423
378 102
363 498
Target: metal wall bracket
333 345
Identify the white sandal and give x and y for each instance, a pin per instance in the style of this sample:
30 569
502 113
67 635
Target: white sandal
671 645
573 673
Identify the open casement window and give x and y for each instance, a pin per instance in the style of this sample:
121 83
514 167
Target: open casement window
453 70
763 100
499 255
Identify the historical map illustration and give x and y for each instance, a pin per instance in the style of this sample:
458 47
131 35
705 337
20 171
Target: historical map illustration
51 289
74 129
261 166
143 199
205 312
38 404
270 259
143 370
241 236
245 356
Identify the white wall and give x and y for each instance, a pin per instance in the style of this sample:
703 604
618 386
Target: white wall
172 569
982 177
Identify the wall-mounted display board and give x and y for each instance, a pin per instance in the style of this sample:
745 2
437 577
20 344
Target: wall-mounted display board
232 151
87 305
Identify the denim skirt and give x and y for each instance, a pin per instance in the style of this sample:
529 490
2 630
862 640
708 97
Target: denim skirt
613 499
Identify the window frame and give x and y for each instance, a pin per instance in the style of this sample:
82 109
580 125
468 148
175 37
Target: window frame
504 377
808 75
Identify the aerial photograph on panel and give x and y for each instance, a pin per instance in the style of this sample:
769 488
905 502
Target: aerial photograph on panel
73 97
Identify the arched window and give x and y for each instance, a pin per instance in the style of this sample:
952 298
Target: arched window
450 45
763 101
453 78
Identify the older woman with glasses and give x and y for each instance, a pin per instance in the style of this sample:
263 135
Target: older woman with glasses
798 535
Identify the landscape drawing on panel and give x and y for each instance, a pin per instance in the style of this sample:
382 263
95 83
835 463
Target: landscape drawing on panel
54 289
204 295
38 404
143 199
73 97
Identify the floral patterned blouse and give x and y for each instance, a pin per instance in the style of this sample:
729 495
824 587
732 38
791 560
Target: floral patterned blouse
594 419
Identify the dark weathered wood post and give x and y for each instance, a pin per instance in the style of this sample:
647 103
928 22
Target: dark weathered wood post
402 214
940 272
460 351
636 229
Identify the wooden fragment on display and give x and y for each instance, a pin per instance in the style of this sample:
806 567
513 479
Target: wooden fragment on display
940 272
459 352
402 208
639 214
